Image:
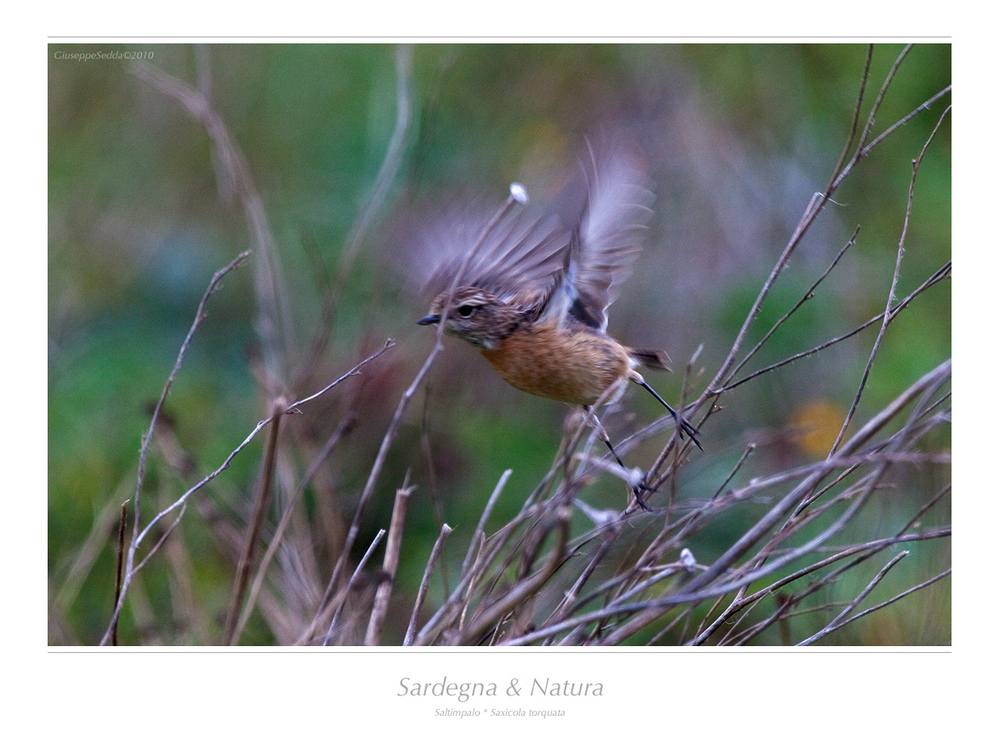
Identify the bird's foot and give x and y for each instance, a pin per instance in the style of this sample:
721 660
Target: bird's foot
641 488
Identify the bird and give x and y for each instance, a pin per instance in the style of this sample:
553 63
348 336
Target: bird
531 289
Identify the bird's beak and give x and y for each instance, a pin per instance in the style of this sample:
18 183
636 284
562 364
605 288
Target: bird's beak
429 320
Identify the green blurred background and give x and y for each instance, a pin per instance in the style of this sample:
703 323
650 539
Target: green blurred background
738 137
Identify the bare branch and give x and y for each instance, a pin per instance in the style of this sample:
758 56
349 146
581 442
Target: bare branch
838 621
891 297
425 583
389 565
253 531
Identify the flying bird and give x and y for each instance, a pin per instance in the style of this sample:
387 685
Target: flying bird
531 290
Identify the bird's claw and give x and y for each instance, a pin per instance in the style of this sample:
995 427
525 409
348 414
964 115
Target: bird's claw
639 489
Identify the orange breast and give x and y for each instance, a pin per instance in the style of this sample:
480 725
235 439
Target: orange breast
569 366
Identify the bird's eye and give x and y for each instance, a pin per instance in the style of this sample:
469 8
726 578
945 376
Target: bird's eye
465 310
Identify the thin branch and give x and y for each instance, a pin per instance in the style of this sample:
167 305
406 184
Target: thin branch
839 619
805 298
213 286
425 583
131 569
813 210
866 551
338 601
891 296
345 426
892 600
902 121
260 425
390 564
524 588
260 506
481 525
200 314
118 566
939 275
856 116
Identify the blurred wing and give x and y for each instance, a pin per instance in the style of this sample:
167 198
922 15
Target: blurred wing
519 260
608 232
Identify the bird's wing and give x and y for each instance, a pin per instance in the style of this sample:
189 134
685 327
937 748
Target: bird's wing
518 259
608 228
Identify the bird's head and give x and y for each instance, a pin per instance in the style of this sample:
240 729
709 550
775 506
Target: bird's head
475 316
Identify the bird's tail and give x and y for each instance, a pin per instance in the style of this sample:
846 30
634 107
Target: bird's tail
651 357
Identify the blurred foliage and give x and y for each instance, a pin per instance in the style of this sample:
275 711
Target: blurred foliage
739 138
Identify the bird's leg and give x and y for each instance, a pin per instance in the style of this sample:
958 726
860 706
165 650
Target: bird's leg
637 489
683 423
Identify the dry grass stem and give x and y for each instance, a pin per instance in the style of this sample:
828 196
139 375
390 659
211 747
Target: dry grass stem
390 564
